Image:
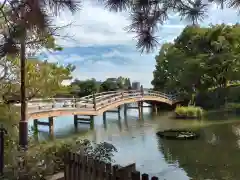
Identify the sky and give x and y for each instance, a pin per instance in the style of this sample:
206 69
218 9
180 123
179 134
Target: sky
100 48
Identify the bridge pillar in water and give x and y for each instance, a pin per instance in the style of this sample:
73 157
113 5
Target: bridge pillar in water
50 124
140 109
125 110
154 108
118 111
83 120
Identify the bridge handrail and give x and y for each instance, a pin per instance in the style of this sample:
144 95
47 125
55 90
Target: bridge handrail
101 100
106 95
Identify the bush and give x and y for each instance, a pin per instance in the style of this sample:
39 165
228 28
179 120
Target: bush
215 98
189 112
45 158
48 158
232 107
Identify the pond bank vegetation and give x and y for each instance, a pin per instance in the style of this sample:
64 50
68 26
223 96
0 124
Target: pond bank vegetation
189 112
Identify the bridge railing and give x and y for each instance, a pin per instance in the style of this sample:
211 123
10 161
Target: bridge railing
98 100
118 97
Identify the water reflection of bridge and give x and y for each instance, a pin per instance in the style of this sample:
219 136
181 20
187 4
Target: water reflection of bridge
84 109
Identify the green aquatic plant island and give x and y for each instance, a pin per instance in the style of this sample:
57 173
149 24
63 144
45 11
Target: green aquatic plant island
189 112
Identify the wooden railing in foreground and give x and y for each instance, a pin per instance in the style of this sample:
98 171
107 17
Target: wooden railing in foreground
78 167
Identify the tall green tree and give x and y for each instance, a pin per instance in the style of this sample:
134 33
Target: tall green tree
26 20
199 59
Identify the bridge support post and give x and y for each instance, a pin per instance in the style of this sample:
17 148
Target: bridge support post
125 110
104 117
94 102
50 124
35 124
50 121
75 118
104 120
140 109
81 120
155 108
91 122
119 112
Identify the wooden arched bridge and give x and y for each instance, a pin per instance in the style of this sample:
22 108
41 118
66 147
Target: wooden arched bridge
95 104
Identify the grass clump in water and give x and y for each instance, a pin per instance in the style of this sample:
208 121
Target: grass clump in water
189 112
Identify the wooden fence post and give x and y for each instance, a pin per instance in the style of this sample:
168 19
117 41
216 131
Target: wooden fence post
145 177
136 175
82 167
108 170
96 169
2 134
66 164
114 170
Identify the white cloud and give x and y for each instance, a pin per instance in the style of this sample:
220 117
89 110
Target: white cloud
94 26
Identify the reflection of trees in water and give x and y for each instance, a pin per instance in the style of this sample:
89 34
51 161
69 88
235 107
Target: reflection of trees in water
214 156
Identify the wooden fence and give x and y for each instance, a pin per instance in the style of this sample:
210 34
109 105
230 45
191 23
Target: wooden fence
79 167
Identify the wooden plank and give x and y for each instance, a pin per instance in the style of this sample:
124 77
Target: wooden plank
102 170
75 167
108 171
115 171
84 122
112 111
80 166
67 166
136 175
91 169
145 177
83 119
127 170
43 123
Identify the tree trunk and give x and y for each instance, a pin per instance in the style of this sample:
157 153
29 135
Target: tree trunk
23 124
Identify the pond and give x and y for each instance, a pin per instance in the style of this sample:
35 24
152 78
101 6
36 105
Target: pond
215 155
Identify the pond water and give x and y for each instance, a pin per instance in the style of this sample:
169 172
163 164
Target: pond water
216 155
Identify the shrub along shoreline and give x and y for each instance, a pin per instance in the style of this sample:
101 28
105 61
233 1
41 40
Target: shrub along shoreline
188 112
196 112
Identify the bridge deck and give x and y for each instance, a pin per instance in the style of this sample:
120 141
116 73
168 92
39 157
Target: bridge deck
94 104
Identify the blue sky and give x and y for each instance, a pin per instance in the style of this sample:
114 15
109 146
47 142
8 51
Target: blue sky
100 48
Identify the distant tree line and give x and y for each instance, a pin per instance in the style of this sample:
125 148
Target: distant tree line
80 88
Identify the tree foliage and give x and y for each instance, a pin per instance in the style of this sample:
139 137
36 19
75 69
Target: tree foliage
147 15
43 79
113 84
90 86
199 59
30 21
47 159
